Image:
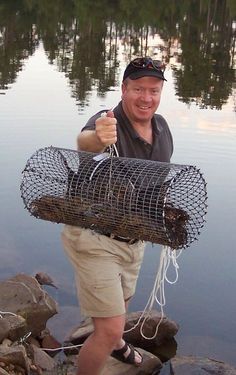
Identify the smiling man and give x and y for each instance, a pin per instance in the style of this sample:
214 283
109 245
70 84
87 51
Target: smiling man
106 266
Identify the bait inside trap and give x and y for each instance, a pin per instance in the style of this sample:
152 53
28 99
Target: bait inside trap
158 202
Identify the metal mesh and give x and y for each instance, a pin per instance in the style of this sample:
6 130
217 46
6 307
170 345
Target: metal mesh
148 200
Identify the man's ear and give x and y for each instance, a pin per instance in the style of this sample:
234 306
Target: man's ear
123 88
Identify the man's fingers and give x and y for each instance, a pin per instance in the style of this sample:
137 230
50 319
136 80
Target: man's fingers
110 114
106 129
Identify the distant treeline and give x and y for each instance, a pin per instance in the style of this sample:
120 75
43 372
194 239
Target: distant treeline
83 38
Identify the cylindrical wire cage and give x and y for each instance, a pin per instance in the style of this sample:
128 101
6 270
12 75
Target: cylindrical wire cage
148 200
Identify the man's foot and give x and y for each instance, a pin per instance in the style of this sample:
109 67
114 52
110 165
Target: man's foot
128 354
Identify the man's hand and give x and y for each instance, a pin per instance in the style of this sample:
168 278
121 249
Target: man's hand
105 128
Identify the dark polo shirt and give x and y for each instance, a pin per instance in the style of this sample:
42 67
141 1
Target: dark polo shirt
130 144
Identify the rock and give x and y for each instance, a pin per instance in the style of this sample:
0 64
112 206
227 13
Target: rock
188 365
18 327
42 359
12 327
6 342
165 351
34 341
49 342
23 296
4 328
150 363
166 330
3 372
15 355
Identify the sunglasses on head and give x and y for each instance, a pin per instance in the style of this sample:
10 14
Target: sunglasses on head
147 62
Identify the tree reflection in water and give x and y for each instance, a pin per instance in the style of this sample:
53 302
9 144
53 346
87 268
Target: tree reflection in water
84 40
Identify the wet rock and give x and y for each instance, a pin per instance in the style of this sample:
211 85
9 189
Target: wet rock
32 340
188 365
6 342
48 341
17 327
15 355
149 364
12 327
24 296
4 328
166 330
42 360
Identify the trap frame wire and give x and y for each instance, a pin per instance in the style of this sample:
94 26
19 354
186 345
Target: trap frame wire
158 202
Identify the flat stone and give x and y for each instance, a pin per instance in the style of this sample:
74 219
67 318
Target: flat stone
188 365
149 364
14 355
42 359
50 342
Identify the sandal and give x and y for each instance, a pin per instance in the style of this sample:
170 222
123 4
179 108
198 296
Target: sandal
119 354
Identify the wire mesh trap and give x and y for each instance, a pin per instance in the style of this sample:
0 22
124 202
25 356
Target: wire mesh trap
158 202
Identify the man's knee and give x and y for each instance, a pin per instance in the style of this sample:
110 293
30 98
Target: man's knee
111 329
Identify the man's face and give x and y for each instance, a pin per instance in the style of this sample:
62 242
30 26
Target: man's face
141 98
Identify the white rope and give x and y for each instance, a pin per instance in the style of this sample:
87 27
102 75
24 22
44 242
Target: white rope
6 313
168 257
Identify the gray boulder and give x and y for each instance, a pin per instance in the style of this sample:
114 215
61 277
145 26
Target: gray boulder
42 360
15 355
17 327
166 330
23 295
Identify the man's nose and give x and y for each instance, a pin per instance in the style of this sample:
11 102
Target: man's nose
146 96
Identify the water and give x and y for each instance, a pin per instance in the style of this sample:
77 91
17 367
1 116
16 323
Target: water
49 98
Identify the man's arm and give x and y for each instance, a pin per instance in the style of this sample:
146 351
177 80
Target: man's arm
102 136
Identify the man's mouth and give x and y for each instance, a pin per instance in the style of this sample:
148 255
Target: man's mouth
143 107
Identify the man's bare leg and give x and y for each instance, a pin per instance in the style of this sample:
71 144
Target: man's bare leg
96 349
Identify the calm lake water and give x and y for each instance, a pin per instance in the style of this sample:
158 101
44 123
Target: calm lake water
55 73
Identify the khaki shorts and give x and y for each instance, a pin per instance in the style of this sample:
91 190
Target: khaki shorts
106 270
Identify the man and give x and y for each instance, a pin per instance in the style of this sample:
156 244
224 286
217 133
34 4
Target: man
107 267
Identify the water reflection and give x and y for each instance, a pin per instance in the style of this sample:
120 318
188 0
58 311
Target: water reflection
85 41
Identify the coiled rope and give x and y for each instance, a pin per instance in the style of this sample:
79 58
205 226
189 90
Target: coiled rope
168 257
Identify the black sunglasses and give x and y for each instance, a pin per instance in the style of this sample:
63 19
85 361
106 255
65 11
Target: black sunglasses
147 62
